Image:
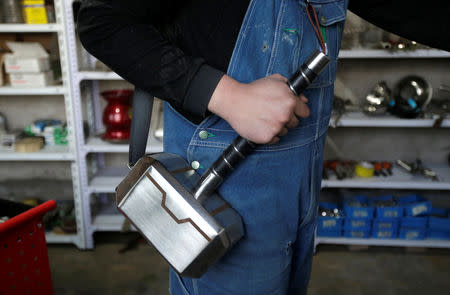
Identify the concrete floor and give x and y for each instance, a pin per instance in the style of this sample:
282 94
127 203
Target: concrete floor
336 270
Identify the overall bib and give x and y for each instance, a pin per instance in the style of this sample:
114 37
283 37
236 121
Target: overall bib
276 188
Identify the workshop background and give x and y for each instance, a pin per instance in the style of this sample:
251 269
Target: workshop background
384 218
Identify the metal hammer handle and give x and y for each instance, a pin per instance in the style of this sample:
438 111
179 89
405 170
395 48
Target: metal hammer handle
241 147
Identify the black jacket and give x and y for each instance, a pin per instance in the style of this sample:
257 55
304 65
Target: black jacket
178 50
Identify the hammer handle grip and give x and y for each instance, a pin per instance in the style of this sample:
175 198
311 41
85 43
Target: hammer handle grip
241 147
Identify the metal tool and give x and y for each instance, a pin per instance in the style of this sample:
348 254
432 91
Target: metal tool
412 95
339 109
174 208
377 100
417 168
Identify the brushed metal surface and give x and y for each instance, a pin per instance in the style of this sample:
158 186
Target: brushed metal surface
317 62
160 204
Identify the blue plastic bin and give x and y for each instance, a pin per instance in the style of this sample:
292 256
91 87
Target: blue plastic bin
329 233
412 233
439 224
330 223
352 233
437 235
382 223
386 212
414 222
385 233
357 223
385 228
357 212
439 212
415 205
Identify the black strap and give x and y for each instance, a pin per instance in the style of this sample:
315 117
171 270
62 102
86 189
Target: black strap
140 125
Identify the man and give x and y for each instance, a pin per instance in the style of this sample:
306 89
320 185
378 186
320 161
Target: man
180 51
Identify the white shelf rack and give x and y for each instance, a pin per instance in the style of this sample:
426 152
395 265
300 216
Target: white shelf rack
54 153
383 53
383 242
399 180
53 238
97 145
109 222
51 90
358 119
48 153
26 28
98 75
107 179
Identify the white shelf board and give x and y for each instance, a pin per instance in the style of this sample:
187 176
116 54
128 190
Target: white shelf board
98 75
26 28
384 242
384 53
358 119
97 145
50 90
109 222
53 238
106 180
48 153
399 180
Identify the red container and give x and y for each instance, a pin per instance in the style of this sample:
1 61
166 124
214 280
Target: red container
117 115
24 266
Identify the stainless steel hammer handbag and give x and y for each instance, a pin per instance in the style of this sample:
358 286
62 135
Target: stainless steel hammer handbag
174 208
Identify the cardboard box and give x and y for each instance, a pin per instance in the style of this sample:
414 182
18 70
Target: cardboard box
27 57
31 79
4 50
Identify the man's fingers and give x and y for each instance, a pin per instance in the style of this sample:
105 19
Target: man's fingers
283 132
303 98
279 77
301 110
293 122
274 140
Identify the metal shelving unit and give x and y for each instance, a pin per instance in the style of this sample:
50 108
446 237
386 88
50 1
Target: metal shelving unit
357 119
54 153
48 153
97 145
98 75
51 90
26 28
384 242
104 179
94 144
399 180
382 53
61 239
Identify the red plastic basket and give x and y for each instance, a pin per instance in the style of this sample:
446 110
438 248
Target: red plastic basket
24 266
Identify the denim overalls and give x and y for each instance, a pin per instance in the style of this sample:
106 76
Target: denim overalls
276 188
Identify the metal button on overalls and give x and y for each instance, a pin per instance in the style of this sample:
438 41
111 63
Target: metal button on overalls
203 134
195 165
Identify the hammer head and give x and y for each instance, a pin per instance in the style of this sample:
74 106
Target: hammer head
157 198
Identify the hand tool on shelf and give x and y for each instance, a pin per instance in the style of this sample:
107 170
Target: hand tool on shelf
174 208
417 168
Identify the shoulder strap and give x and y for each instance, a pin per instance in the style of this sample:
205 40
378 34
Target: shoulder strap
140 125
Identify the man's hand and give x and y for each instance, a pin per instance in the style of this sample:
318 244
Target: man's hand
261 111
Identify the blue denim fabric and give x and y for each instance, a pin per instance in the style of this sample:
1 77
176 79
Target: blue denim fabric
276 188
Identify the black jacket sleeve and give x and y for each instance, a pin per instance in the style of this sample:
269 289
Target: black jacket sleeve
123 35
426 22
